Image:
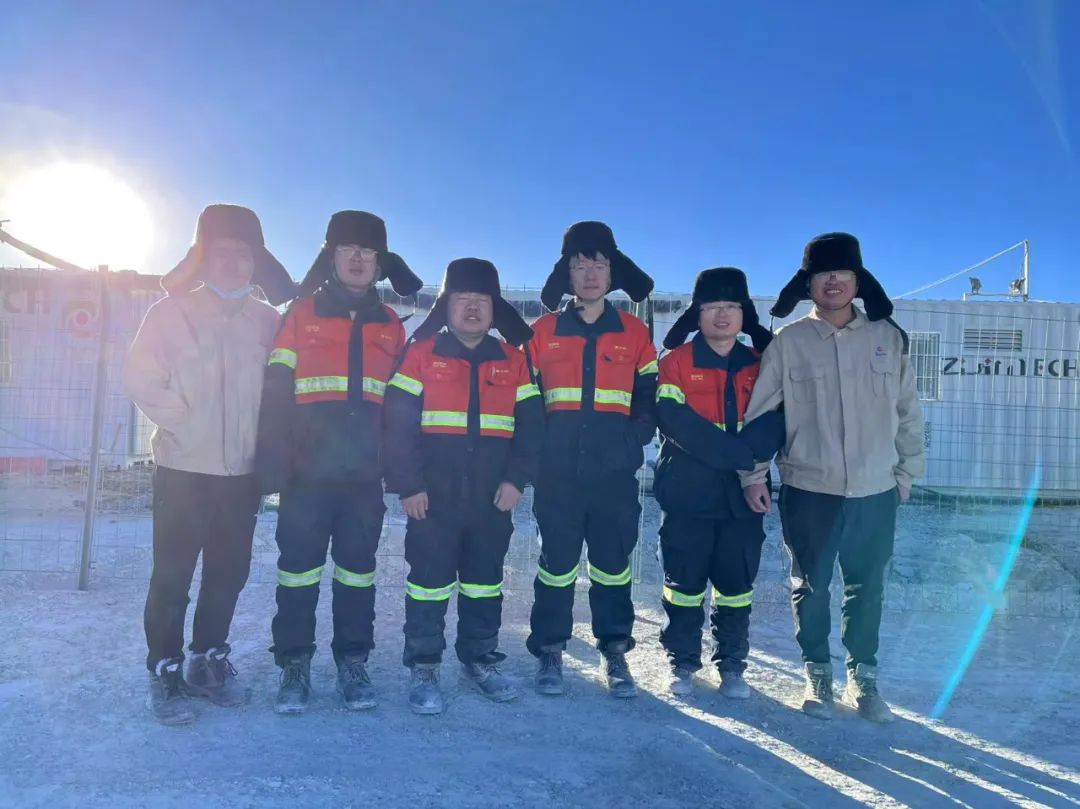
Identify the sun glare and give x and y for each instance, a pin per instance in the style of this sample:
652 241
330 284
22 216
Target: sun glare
81 213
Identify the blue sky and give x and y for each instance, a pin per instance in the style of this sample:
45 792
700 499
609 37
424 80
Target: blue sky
705 133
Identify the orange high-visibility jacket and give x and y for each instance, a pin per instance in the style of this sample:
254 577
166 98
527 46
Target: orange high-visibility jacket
322 403
599 386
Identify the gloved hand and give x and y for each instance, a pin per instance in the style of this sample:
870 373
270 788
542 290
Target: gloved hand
765 435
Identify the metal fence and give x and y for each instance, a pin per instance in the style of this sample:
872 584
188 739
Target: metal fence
79 506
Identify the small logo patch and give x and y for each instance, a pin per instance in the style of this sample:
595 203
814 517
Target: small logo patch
880 352
313 328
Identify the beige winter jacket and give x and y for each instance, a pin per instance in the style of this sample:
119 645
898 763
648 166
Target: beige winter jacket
197 373
854 425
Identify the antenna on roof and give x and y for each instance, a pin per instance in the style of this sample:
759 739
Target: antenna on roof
1020 287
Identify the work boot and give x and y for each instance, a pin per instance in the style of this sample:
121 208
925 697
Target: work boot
861 694
682 682
733 685
492 683
295 689
549 679
818 695
620 681
354 685
166 698
425 696
213 676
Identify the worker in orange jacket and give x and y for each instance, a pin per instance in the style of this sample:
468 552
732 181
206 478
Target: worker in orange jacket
596 366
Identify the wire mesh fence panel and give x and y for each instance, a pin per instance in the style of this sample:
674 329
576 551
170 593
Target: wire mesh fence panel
49 330
1001 398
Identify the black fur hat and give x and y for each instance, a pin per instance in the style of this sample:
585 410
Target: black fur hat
719 284
586 237
366 230
475 275
826 253
231 222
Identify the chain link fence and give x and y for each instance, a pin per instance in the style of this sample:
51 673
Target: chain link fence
80 507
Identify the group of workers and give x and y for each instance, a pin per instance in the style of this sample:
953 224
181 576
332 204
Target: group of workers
331 405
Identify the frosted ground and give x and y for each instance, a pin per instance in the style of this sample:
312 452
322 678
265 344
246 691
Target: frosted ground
73 729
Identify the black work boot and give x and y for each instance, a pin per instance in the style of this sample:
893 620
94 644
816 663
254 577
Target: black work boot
549 678
620 681
818 695
425 696
354 685
862 694
213 676
492 683
166 698
295 688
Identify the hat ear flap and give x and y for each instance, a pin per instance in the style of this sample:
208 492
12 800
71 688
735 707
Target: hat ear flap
435 321
759 336
317 275
681 328
630 278
404 281
876 302
274 280
557 285
790 295
184 276
509 323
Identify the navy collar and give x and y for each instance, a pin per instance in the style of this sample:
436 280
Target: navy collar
330 303
489 349
570 324
704 357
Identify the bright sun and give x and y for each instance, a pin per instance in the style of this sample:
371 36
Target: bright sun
81 213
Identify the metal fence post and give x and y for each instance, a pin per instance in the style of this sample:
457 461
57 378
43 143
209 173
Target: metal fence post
97 419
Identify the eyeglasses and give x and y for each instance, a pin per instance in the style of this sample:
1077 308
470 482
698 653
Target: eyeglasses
843 276
720 306
348 251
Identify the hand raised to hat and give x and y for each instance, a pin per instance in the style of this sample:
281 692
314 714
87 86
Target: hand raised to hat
507 497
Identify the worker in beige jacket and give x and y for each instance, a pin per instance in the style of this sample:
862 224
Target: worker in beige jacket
854 446
196 369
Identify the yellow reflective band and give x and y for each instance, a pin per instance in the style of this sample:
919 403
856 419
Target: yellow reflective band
351 579
407 384
527 391
444 418
372 385
418 593
490 422
616 580
669 391
551 580
283 356
305 579
722 425
322 384
604 396
481 590
562 395
743 600
651 367
681 599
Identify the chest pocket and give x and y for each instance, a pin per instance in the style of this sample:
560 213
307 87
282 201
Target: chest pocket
883 375
704 394
805 382
615 370
380 353
322 353
498 391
